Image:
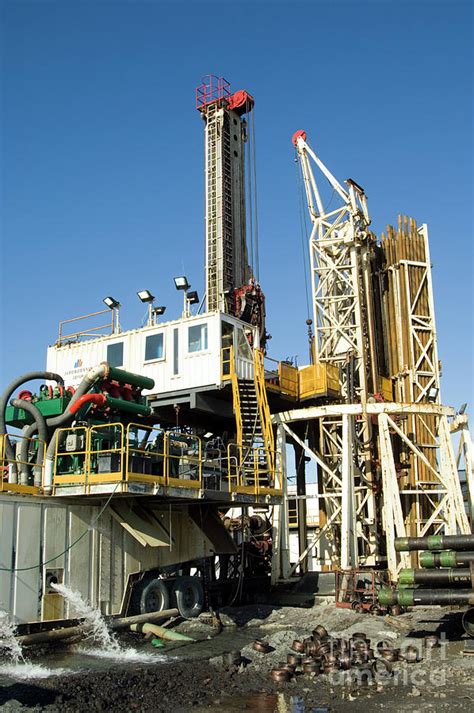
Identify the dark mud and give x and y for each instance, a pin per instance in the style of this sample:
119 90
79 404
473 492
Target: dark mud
192 677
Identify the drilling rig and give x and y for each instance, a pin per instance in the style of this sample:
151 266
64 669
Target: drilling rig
139 457
231 286
150 467
386 465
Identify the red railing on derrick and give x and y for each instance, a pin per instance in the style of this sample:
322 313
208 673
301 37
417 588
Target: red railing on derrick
213 89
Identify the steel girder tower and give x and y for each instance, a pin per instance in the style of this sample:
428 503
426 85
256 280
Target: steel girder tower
340 273
386 463
340 248
227 265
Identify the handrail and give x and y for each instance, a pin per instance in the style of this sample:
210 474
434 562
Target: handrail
236 396
178 459
6 486
149 456
64 337
262 401
96 476
71 477
173 460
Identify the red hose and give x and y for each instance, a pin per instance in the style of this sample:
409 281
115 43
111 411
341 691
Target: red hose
97 399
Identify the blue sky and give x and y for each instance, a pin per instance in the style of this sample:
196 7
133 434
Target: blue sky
102 151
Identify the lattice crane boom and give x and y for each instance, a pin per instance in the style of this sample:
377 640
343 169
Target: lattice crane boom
340 242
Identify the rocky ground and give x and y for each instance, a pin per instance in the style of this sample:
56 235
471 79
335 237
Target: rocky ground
193 677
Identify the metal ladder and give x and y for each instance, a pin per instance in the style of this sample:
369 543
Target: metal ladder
219 229
211 189
254 428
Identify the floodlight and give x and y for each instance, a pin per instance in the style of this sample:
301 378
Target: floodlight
182 283
208 434
159 310
145 296
193 298
433 394
111 302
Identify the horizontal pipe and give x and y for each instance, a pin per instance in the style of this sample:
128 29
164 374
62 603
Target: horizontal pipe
387 597
102 400
160 631
50 637
456 576
447 558
126 377
126 621
435 542
96 399
128 406
425 597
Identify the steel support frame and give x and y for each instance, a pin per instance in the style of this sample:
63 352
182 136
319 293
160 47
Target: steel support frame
441 495
340 248
280 521
465 456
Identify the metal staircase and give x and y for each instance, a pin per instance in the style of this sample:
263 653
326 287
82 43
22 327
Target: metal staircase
255 441
252 433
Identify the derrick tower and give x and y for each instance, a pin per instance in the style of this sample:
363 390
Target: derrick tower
231 286
386 465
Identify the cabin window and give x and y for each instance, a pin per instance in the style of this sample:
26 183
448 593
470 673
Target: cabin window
115 354
197 338
227 343
154 347
244 350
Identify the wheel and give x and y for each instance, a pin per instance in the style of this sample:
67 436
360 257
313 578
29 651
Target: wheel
155 597
189 596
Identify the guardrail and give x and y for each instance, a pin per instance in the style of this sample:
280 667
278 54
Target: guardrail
89 331
110 453
254 470
26 470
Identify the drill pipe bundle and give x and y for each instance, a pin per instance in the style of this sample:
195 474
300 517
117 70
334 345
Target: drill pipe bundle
437 577
426 597
435 542
447 558
410 357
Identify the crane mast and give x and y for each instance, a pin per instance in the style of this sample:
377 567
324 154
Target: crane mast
340 246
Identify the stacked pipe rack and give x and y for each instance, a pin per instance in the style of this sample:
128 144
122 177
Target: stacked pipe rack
446 560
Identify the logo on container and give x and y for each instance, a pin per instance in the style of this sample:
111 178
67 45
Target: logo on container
78 364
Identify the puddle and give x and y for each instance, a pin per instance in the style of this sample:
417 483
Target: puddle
262 703
87 657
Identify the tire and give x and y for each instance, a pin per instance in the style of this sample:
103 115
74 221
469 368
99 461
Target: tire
155 597
189 596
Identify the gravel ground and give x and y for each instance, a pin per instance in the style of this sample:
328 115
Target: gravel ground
194 677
